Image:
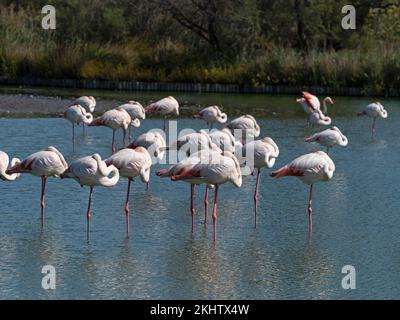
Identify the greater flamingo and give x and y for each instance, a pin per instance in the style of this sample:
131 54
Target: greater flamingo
168 106
91 171
309 168
212 115
77 114
247 125
154 143
218 170
87 102
47 163
310 103
137 113
130 164
317 118
259 154
115 119
374 110
329 138
5 164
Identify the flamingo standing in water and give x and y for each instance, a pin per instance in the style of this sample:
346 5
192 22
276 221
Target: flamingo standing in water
137 113
47 163
130 164
311 103
309 168
212 115
154 143
259 154
77 114
221 168
87 102
165 107
5 164
247 125
329 138
91 171
317 118
115 119
374 111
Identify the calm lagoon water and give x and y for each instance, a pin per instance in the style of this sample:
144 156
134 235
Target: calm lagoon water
356 219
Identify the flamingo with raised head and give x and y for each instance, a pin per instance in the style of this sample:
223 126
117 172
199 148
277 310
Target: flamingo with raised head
137 113
6 164
77 114
168 106
317 118
310 169
260 154
115 119
311 103
131 163
329 138
221 168
154 143
212 115
44 164
91 171
374 111
247 125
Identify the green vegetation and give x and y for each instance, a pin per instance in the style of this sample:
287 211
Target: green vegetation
247 42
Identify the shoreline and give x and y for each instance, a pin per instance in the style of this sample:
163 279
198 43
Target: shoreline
121 85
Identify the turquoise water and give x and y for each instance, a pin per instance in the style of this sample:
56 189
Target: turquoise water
356 219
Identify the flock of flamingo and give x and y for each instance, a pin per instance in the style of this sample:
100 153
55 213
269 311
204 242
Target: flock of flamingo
211 157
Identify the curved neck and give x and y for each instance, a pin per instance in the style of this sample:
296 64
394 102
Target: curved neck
112 178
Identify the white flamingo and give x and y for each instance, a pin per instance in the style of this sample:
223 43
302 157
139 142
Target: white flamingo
131 164
77 114
225 140
115 119
212 115
47 163
137 113
215 171
309 168
168 106
88 102
374 111
247 125
317 118
6 164
260 154
310 103
192 143
329 138
91 171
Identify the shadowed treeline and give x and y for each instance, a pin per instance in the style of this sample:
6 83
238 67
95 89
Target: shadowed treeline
246 42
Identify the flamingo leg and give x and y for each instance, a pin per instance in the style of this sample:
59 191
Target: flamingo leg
327 150
206 205
83 128
130 134
192 189
165 124
215 212
113 142
147 186
42 203
127 207
373 128
124 138
73 137
256 197
310 210
88 212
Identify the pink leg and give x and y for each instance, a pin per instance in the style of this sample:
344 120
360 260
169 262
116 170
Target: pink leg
73 137
127 208
373 128
147 186
215 212
310 210
88 212
206 205
192 188
256 197
42 204
124 138
113 142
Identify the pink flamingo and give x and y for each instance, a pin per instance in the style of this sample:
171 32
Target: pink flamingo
77 114
212 115
374 111
246 125
165 107
115 119
329 138
154 143
130 164
309 168
47 163
221 169
137 113
91 171
5 164
87 102
259 154
311 103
